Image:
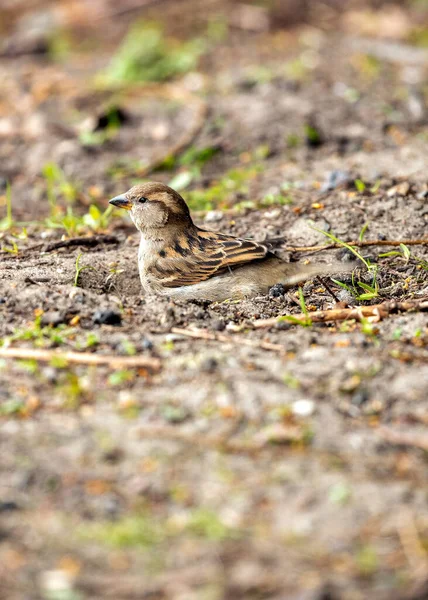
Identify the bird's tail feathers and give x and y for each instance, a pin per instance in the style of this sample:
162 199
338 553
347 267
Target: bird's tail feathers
297 272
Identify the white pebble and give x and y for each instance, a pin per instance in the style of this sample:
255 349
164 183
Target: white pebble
303 408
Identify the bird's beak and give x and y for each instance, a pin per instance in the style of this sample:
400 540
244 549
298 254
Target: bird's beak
121 202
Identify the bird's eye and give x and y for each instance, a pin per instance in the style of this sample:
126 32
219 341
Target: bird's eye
142 200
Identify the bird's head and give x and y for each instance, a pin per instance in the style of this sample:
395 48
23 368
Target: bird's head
154 206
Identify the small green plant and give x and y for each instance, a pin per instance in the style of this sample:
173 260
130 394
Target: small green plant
220 194
369 329
340 493
194 159
293 140
205 523
79 269
367 560
146 55
360 186
140 531
92 340
404 252
363 232
370 291
307 321
7 222
41 335
13 249
313 135
57 187
12 407
113 118
375 187
120 377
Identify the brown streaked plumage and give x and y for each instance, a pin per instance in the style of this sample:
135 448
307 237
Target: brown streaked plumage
178 259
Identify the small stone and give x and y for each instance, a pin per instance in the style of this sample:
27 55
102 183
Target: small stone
276 290
303 407
2 300
218 325
8 506
209 365
345 297
107 317
401 189
147 344
334 180
213 216
53 318
360 397
50 374
272 214
345 255
174 414
57 582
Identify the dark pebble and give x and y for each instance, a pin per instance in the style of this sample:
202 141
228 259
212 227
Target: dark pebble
2 300
8 506
170 312
276 290
147 344
219 325
107 317
360 397
370 258
335 179
345 255
113 456
209 365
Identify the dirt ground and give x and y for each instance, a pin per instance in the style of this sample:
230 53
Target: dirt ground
277 463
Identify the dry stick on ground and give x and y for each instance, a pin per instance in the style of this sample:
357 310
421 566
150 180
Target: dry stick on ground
403 438
416 242
343 314
174 92
87 242
115 362
412 545
201 334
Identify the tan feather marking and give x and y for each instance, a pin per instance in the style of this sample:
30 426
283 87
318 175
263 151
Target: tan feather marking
203 256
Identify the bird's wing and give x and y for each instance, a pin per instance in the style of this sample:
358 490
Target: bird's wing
207 254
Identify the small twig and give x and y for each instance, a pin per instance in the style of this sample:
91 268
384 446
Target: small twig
359 244
412 546
324 283
379 311
114 362
403 438
121 11
87 242
201 334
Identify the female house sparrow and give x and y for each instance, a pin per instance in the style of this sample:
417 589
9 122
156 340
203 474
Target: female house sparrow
178 259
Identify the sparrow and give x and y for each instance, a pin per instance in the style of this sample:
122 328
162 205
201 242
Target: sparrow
180 260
